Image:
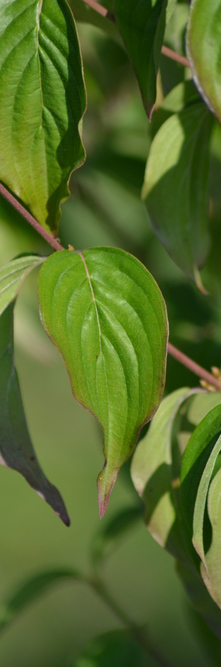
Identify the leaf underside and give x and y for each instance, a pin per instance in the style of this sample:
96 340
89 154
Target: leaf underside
16 450
12 276
106 315
42 102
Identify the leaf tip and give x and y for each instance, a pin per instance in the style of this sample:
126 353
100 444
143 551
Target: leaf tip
105 483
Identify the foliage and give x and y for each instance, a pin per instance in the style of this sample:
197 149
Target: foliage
101 306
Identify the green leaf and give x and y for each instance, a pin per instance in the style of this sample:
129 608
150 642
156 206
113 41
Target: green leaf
42 103
105 313
12 276
200 598
116 648
30 590
108 538
16 450
200 504
152 473
203 50
194 462
210 568
176 187
142 25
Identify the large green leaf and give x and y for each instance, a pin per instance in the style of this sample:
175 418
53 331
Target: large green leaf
12 276
16 450
152 473
203 50
42 102
105 313
176 187
30 590
142 25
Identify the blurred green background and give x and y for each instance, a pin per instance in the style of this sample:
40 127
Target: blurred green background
104 209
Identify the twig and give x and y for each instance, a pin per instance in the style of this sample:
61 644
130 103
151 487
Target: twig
169 53
99 9
193 366
175 56
173 351
98 586
25 214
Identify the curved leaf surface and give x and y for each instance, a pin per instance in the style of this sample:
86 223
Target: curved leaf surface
12 276
142 24
176 187
16 450
105 313
195 459
152 473
201 498
30 590
203 50
42 103
210 568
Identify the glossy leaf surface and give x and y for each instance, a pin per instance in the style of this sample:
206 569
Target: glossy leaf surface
176 187
30 590
105 313
42 102
12 276
203 50
142 24
152 472
16 450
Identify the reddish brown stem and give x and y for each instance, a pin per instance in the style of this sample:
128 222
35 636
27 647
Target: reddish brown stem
169 53
175 56
99 9
27 216
195 368
173 351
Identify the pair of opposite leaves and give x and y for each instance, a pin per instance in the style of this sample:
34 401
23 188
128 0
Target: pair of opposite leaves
105 313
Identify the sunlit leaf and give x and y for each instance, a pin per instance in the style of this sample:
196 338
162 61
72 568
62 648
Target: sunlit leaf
203 50
42 103
105 313
152 473
16 450
30 590
142 25
176 187
12 276
113 533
